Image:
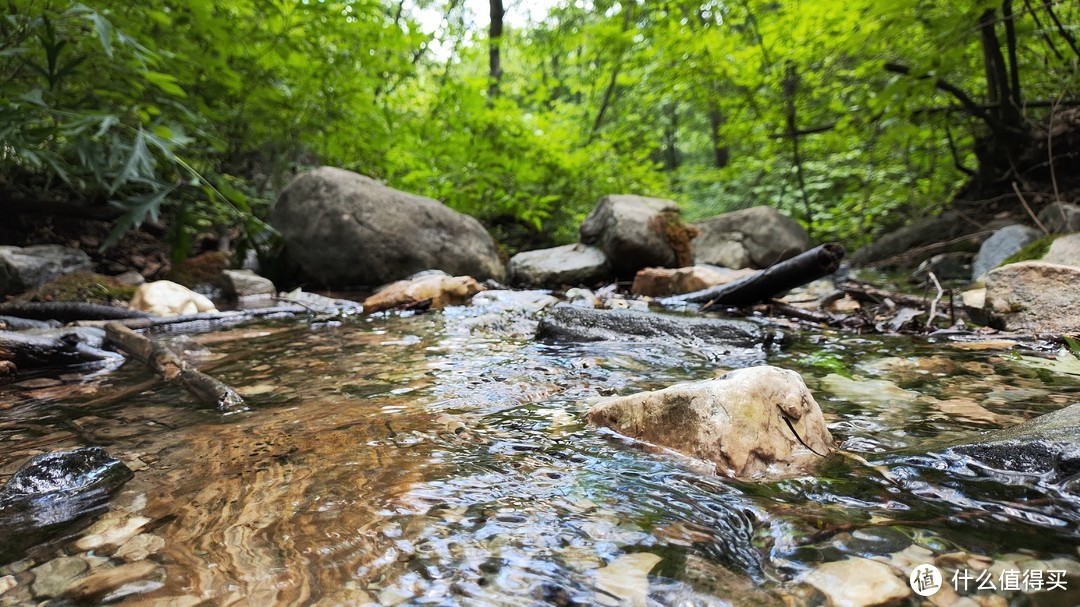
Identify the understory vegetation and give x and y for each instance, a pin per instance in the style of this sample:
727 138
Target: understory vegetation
852 117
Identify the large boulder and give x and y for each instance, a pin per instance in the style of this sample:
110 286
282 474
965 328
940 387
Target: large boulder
637 232
1034 296
345 229
24 268
1060 217
572 264
1000 246
759 422
751 238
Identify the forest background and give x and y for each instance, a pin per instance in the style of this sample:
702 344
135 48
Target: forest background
851 116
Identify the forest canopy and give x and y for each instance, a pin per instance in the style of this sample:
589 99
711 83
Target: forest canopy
850 116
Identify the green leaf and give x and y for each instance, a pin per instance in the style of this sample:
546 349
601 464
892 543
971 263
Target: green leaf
165 82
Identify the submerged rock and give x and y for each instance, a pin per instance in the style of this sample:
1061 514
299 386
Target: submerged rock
576 323
346 229
758 422
1034 296
636 232
53 489
1047 446
750 238
859 582
435 291
166 298
572 264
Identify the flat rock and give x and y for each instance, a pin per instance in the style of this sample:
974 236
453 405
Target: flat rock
749 238
632 232
859 582
24 268
166 298
53 577
95 586
438 289
572 264
576 323
757 422
1034 296
345 229
662 282
1000 246
245 283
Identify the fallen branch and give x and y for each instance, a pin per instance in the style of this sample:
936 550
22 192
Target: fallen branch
168 365
864 292
764 284
207 317
66 311
53 347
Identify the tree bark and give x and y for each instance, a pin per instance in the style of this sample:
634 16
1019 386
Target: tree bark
495 32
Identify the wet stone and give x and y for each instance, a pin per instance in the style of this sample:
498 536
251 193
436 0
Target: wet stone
859 582
96 585
53 577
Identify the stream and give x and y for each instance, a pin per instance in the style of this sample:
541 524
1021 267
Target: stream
443 459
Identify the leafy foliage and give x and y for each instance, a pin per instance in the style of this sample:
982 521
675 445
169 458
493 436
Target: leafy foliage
204 109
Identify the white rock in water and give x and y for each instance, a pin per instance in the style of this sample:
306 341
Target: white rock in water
859 582
166 298
759 422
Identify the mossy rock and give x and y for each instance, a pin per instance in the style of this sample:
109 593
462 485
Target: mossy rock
1032 252
83 287
202 272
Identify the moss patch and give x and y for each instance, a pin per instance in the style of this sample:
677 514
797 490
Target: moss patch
200 271
678 236
1034 251
82 287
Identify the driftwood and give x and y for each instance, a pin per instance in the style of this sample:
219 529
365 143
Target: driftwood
864 292
206 317
15 323
66 311
764 284
168 365
53 347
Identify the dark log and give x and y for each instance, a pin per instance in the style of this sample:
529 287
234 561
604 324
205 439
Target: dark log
16 323
227 317
54 347
764 284
168 365
65 311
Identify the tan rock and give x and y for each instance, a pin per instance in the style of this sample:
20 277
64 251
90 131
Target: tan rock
1035 296
859 582
441 289
661 282
743 422
101 582
625 580
140 547
111 531
166 298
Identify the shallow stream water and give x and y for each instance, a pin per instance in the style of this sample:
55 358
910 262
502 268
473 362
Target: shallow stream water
442 459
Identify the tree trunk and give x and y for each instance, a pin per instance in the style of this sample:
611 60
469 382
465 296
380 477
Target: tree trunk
495 32
721 152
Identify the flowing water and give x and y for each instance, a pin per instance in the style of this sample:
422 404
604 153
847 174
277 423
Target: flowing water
443 459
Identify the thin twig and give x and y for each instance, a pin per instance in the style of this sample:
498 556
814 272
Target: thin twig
1027 208
934 303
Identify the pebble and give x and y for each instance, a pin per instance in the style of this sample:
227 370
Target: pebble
38 382
859 582
140 547
110 531
53 577
7 583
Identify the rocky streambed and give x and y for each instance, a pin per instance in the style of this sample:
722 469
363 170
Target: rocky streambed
445 458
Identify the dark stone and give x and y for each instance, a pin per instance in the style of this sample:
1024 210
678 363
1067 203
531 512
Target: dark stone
919 233
1004 243
575 323
631 231
1047 446
52 490
754 238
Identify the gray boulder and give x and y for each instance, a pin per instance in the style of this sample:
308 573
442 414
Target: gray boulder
344 229
572 264
245 283
1034 296
24 268
1060 217
759 422
632 232
751 238
1000 246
